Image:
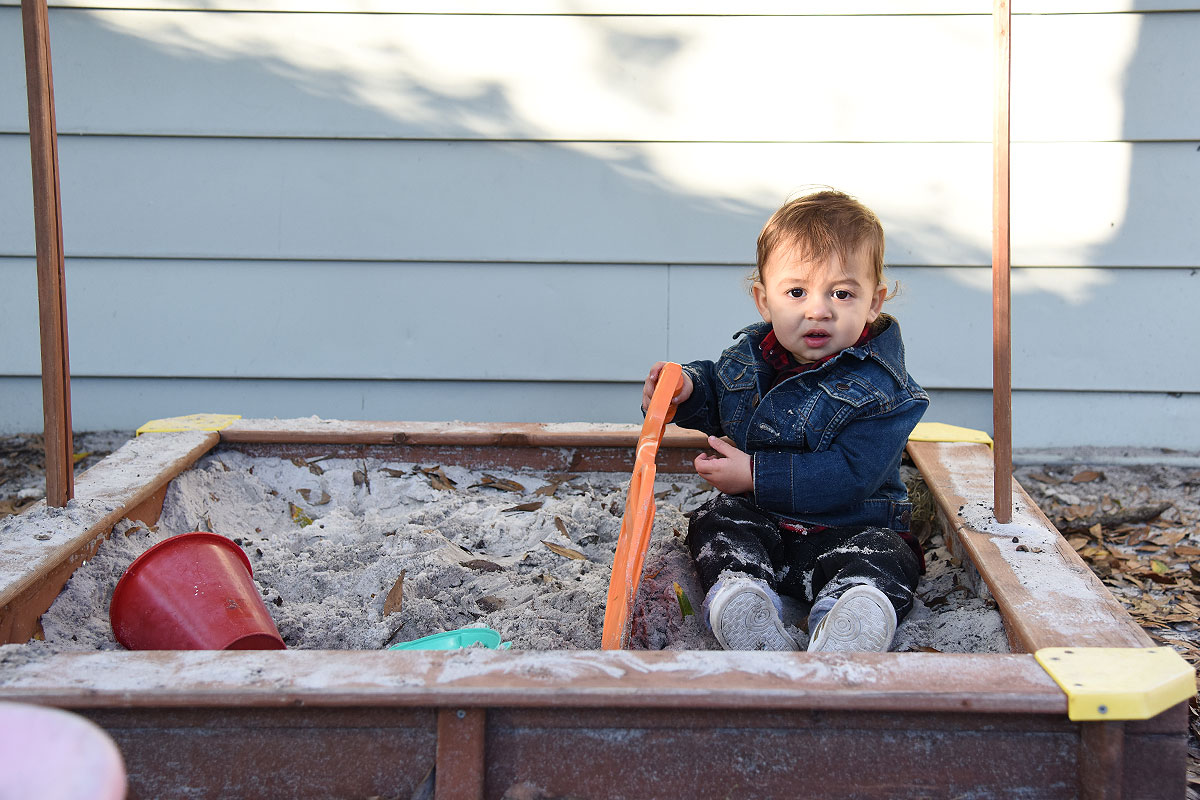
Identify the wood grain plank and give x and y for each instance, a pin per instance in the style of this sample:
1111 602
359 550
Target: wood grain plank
47 212
41 547
1001 279
1046 593
970 683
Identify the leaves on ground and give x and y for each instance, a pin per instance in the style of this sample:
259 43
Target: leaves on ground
566 552
489 603
685 605
438 478
534 506
483 565
298 516
312 466
307 495
1143 544
503 484
395 596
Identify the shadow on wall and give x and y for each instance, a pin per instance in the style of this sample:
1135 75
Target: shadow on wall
312 140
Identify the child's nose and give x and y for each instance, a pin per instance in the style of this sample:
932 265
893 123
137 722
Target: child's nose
817 309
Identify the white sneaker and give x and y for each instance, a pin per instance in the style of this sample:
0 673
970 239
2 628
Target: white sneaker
862 620
743 614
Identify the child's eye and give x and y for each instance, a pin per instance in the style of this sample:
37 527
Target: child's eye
842 294
797 292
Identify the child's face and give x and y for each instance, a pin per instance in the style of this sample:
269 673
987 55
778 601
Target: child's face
818 308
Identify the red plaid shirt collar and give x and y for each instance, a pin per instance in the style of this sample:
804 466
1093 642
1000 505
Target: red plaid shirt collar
785 365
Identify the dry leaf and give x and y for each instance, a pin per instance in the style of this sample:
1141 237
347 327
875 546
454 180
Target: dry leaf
1186 550
311 465
562 526
1087 476
298 516
566 552
534 506
307 495
393 473
548 490
483 565
438 479
1096 530
1044 478
685 605
503 484
489 603
395 597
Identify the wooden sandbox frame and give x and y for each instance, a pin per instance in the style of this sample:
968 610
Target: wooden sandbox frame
590 724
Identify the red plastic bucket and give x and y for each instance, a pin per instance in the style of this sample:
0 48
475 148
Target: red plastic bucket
193 591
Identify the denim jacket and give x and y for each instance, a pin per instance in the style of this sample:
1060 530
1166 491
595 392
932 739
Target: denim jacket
826 443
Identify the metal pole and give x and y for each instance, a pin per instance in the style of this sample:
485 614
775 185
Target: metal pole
47 215
1001 295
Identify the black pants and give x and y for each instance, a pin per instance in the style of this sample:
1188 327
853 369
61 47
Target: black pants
732 533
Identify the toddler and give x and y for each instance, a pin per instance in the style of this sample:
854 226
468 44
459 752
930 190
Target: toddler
819 406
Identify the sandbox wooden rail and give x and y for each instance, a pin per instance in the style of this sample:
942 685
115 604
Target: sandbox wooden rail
588 724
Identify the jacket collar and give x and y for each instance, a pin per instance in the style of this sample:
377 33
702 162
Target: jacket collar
885 345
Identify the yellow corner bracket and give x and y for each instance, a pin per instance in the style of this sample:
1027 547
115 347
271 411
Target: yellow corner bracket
192 422
1118 683
941 432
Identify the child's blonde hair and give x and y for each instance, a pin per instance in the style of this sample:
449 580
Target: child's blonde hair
822 223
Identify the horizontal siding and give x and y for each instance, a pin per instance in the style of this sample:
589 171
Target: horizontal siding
923 78
531 322
1040 419
1099 204
636 7
348 320
1066 325
505 212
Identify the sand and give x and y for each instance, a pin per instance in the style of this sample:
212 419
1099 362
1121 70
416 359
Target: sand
527 554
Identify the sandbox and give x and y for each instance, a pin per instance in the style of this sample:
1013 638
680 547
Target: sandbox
582 722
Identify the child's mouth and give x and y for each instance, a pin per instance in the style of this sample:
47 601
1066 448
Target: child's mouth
816 338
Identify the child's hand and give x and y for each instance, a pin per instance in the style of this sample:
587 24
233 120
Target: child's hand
652 381
729 470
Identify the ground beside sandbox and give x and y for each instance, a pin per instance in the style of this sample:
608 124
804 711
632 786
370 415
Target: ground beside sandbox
364 553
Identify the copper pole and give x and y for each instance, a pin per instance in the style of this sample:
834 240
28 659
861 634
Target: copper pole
47 215
1001 294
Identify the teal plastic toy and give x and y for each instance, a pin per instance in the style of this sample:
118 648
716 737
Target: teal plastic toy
453 640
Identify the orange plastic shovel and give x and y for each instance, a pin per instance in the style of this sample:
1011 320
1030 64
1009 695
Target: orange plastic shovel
639 512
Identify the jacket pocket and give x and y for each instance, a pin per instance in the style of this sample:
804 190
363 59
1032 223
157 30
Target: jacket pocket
735 374
841 399
851 391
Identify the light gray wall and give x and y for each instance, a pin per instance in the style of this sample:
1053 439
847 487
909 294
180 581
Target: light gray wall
443 214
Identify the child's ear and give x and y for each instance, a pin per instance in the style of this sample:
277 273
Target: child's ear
877 303
760 300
